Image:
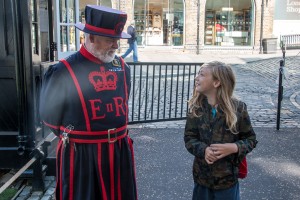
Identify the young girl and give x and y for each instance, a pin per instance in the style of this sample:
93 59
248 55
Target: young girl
218 133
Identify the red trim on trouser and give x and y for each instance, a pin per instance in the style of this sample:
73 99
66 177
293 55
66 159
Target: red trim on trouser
132 154
83 104
61 147
111 171
71 188
104 195
119 178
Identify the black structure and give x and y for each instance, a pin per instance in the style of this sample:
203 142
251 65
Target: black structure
19 86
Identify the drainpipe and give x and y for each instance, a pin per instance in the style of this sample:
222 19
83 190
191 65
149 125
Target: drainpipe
261 25
198 25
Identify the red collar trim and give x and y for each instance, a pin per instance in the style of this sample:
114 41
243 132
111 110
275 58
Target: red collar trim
88 55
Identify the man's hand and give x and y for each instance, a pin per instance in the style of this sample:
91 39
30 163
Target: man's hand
222 150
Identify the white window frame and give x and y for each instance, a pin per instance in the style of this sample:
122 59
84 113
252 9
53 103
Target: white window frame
61 54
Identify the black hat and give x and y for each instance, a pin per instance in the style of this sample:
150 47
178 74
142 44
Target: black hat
104 21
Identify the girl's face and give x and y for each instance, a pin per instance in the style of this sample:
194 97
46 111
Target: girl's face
204 82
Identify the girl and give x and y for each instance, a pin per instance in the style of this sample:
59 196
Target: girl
218 133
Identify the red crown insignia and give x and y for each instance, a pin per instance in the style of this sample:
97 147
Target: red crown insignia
103 80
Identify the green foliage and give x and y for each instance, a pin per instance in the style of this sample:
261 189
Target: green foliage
8 194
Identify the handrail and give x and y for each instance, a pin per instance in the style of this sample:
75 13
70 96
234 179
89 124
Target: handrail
291 40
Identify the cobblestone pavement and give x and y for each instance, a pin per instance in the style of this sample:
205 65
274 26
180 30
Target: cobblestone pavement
257 86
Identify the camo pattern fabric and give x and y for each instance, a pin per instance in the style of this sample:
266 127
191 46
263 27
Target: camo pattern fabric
201 132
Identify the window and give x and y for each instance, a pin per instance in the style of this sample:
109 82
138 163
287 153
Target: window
34 27
69 12
228 23
159 22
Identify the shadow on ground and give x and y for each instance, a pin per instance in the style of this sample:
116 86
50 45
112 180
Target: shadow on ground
164 166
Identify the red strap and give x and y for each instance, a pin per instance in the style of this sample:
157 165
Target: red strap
83 104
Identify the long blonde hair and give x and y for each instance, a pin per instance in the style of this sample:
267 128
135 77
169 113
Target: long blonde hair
225 100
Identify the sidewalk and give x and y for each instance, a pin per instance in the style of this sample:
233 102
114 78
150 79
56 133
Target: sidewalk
157 54
164 167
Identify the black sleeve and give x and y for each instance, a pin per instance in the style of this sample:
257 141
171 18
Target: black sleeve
52 97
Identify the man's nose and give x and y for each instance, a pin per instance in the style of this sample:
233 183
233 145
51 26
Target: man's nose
115 44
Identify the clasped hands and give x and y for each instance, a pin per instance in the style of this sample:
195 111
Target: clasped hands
215 152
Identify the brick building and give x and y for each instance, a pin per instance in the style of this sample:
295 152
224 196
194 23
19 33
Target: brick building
196 26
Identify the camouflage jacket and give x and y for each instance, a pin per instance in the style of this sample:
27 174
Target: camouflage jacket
202 131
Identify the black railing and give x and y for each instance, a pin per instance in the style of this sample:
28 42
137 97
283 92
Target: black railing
160 91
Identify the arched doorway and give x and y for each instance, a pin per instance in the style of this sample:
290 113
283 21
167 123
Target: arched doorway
159 22
229 23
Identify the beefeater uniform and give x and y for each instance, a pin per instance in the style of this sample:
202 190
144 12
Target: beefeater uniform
85 103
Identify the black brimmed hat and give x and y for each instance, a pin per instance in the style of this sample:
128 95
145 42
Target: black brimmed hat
104 21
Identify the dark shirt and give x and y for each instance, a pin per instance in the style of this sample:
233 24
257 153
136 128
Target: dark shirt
201 132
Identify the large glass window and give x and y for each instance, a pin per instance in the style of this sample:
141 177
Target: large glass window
159 22
228 23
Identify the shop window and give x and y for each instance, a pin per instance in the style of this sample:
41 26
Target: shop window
34 27
228 23
67 20
159 22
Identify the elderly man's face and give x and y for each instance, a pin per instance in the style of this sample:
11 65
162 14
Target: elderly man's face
104 48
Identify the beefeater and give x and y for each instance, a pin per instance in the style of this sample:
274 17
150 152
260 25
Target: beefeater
84 101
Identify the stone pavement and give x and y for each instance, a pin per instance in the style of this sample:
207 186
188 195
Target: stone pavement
164 166
257 84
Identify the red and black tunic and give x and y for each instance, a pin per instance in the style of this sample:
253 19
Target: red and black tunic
85 103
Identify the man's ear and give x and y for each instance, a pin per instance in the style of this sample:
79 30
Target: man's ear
91 38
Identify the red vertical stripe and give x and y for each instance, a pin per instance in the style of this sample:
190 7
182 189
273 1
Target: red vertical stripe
111 168
60 168
83 104
132 155
125 87
71 188
104 195
119 177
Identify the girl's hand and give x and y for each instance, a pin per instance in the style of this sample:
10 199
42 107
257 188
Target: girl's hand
210 156
222 150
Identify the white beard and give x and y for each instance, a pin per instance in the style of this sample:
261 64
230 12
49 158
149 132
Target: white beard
107 58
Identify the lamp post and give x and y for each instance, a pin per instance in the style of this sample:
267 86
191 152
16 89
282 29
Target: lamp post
261 25
198 25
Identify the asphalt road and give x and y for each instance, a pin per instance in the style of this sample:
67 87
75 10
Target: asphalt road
164 166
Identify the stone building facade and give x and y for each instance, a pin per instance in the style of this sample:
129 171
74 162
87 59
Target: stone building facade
196 26
194 35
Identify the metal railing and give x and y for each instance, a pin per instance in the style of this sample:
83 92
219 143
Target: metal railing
292 40
160 91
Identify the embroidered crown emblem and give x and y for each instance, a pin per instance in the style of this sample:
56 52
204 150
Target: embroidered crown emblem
103 80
